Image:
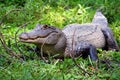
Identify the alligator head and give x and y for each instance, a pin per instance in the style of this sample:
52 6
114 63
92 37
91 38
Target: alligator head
52 37
40 34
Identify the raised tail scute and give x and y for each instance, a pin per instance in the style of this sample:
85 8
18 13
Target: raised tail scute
99 18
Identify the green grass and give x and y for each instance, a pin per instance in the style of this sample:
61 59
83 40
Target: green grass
56 13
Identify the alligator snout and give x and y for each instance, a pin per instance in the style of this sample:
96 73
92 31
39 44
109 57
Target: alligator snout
28 35
23 36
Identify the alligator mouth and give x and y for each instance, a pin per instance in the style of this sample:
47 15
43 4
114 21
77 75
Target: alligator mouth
30 38
24 37
35 40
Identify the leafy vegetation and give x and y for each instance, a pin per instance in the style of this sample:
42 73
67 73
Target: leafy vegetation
15 13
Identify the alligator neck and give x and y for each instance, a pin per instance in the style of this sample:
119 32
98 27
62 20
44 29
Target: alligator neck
58 48
61 44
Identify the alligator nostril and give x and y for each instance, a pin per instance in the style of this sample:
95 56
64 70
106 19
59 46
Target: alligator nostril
23 36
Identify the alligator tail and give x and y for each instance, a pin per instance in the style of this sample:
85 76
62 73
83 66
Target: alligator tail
99 18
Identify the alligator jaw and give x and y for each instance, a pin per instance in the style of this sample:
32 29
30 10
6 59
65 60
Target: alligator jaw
51 38
32 40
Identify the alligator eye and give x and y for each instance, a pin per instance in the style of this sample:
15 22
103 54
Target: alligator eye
45 26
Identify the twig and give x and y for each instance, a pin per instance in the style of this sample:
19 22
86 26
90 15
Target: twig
23 25
7 14
8 50
72 56
81 67
41 51
1 36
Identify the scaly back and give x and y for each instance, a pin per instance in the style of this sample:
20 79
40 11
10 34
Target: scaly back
99 18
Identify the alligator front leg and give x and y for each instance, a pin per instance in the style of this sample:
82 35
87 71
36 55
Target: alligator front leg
111 43
37 50
87 49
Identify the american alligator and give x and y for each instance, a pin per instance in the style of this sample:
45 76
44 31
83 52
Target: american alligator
74 40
